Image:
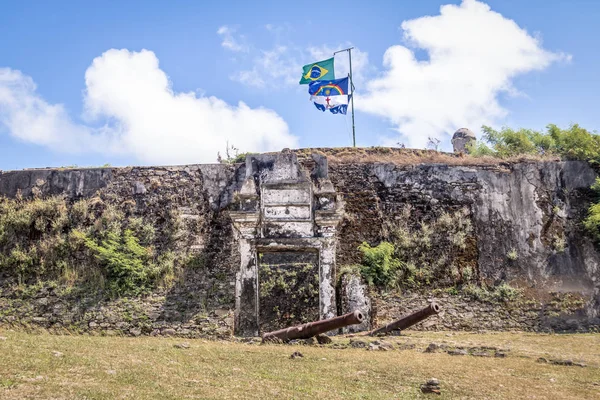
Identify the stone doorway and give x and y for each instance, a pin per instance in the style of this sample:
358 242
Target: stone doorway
288 288
284 217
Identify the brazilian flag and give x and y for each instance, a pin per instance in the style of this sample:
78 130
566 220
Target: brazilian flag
319 71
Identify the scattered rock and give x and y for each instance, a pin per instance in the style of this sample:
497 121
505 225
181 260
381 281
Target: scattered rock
324 339
569 363
184 345
358 344
431 386
480 354
57 354
457 352
310 341
2 338
169 332
111 372
374 347
432 348
380 345
500 354
135 331
385 346
139 188
296 354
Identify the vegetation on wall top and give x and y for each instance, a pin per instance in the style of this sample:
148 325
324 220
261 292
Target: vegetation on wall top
573 143
86 244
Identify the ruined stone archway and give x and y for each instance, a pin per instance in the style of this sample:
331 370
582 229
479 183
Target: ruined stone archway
290 218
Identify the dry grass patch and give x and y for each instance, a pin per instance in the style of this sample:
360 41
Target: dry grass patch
149 368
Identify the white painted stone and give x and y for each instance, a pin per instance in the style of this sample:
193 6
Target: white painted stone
286 196
289 229
286 212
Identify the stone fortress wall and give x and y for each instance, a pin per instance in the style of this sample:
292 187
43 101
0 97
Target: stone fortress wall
275 232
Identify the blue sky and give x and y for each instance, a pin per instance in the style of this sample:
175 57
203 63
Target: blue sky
255 59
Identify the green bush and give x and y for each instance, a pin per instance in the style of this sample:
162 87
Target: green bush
87 243
435 252
508 142
505 292
592 222
573 143
378 263
476 292
32 236
127 264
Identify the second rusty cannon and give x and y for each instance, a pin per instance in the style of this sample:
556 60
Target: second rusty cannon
408 320
311 329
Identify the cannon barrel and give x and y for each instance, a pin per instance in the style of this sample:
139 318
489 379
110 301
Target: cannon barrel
409 320
311 329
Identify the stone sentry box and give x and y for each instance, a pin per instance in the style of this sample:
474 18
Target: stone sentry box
285 219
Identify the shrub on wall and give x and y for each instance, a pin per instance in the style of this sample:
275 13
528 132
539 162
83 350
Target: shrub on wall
592 222
88 243
379 265
438 251
574 143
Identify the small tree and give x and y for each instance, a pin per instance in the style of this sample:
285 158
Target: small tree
433 143
232 155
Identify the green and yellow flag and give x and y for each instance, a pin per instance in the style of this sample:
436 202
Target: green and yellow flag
319 71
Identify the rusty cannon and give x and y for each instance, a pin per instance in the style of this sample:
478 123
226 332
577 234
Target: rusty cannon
408 320
311 329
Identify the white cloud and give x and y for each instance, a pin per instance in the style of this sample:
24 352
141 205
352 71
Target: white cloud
230 41
26 116
474 53
360 61
282 65
272 68
146 118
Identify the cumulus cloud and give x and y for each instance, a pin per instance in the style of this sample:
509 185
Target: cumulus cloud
281 65
271 68
474 53
139 114
26 116
231 41
360 61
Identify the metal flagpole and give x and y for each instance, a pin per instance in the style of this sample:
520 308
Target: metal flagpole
349 50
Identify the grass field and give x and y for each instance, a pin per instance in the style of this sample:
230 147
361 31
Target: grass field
42 366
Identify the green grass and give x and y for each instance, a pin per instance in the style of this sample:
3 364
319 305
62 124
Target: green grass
151 368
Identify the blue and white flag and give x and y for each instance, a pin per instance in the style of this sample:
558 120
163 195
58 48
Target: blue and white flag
330 95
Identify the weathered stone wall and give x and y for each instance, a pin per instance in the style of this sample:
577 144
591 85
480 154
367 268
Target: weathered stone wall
557 312
526 219
199 303
513 207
